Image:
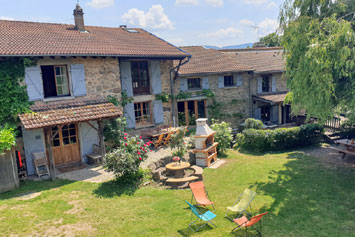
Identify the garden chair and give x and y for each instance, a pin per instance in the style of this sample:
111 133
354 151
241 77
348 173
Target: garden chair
159 141
244 222
243 202
206 217
200 194
168 137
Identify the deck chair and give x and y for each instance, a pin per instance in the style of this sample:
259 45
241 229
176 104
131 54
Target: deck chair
206 217
244 222
168 137
200 194
159 141
243 202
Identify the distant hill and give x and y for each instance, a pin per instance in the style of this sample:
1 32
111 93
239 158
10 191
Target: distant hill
238 46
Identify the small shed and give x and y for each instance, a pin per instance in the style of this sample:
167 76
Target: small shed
8 171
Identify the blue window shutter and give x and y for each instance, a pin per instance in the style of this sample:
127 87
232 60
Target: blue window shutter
158 111
183 84
273 84
257 114
78 79
205 83
126 77
239 80
34 83
260 85
220 82
156 81
129 114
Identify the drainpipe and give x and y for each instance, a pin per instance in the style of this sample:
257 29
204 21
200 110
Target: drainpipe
175 70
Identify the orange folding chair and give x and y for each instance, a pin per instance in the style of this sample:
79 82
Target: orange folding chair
159 142
200 194
168 137
244 222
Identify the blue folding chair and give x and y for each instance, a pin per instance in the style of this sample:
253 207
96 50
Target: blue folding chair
206 217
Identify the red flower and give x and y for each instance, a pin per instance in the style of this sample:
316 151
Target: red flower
146 151
140 137
140 158
137 143
184 142
125 138
145 144
126 144
151 150
139 153
126 134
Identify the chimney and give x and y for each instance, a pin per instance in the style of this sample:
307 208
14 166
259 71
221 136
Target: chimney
79 18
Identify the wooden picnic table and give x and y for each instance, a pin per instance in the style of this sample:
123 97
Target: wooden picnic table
155 134
349 147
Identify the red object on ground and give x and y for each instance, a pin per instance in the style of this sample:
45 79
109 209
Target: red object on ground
19 158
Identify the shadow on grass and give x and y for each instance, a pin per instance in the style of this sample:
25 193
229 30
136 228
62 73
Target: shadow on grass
117 187
189 232
256 153
29 186
309 199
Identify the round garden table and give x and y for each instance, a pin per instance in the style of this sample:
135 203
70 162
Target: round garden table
177 169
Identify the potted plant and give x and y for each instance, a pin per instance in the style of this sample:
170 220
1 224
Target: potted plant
177 142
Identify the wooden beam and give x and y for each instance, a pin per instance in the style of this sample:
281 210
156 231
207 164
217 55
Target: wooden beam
49 152
91 125
55 134
196 109
186 114
101 138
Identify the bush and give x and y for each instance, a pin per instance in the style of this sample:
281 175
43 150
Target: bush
114 131
279 139
253 123
223 135
177 142
124 160
7 139
347 130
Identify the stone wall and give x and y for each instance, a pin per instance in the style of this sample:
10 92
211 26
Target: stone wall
165 67
234 100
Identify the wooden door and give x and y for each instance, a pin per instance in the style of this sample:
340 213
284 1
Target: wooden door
65 144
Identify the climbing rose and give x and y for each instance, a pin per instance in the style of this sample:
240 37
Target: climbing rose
126 144
126 134
140 137
125 138
139 153
140 158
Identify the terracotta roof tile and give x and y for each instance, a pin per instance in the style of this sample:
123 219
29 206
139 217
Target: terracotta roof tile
272 97
262 60
48 114
205 61
18 38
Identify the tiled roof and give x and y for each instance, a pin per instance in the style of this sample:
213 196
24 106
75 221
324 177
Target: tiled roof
207 61
48 114
252 49
272 97
261 59
18 38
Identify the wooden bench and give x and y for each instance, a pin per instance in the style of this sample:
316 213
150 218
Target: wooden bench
181 182
40 164
95 158
198 171
343 151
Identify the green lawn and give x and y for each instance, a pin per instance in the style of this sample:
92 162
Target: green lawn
303 197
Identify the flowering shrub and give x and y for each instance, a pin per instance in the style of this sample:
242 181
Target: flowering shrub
114 131
177 142
223 135
124 160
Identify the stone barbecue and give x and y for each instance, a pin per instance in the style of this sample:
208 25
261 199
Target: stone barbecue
205 146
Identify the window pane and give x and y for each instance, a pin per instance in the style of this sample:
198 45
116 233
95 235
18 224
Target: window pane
66 141
194 83
73 140
72 132
65 133
56 143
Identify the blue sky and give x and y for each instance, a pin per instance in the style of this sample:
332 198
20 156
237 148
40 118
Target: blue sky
181 22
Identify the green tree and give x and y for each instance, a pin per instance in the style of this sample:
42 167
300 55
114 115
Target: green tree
271 40
319 39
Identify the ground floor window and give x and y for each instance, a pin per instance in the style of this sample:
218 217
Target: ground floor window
142 112
189 111
64 135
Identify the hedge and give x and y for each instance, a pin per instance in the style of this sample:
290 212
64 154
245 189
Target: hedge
7 139
279 139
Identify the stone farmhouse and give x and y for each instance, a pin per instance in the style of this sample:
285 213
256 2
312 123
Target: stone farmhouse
78 67
246 83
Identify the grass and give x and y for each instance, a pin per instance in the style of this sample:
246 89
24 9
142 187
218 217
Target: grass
303 198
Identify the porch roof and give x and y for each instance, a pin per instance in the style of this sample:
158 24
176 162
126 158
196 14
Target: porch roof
272 98
48 114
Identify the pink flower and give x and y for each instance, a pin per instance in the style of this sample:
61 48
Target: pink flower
140 137
137 143
184 142
145 144
125 138
126 134
146 151
151 150
126 144
139 153
140 158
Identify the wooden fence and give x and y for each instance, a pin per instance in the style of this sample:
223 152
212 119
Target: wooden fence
333 124
8 171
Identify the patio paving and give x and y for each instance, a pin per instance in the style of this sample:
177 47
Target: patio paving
93 174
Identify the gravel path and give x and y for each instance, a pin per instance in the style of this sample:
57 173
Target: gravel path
93 174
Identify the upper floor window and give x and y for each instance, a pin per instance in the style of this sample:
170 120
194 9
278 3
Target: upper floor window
140 77
229 81
266 84
55 81
194 83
